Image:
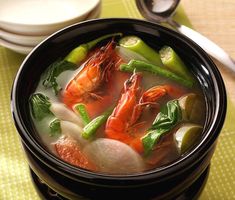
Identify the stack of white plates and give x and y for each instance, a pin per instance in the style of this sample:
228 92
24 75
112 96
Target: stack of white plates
25 23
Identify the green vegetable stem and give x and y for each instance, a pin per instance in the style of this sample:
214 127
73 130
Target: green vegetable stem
79 53
90 129
174 63
81 109
143 66
39 106
136 44
165 121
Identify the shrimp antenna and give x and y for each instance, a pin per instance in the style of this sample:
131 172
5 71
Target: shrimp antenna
134 72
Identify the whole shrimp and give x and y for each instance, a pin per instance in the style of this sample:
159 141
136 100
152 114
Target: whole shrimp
119 121
129 109
97 70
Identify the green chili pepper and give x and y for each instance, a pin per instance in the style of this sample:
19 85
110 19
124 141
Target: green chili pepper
79 53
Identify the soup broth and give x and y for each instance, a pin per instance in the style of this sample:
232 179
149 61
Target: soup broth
118 107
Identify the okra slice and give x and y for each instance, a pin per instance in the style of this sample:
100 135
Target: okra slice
186 136
137 45
173 62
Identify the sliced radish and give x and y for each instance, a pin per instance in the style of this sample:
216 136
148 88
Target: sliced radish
64 113
114 157
73 130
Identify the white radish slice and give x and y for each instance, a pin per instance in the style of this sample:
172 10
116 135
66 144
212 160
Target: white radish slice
73 130
114 157
64 113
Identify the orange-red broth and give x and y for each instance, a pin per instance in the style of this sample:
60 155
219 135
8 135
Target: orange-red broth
165 151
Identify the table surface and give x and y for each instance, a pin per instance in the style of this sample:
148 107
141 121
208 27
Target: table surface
213 18
216 20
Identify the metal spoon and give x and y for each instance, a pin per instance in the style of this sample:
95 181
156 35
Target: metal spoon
161 11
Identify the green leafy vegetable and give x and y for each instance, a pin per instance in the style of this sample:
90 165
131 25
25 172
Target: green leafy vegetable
40 106
137 45
81 109
143 66
79 53
165 121
90 129
55 128
54 70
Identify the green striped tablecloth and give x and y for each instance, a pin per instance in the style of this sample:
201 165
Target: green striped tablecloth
15 181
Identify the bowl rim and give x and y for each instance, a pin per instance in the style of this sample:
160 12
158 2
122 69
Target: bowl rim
162 172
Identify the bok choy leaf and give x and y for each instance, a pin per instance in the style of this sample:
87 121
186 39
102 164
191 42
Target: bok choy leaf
55 128
54 70
165 121
39 106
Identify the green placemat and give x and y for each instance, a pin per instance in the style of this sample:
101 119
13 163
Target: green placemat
15 182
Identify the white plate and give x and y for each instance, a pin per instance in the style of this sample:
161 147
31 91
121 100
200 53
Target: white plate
27 40
33 40
42 17
24 49
95 13
15 47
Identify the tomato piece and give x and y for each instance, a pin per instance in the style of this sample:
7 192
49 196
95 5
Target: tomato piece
69 150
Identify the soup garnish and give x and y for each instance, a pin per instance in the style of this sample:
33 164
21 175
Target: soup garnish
118 108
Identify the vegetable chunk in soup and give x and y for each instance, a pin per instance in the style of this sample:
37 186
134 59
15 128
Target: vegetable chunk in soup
117 106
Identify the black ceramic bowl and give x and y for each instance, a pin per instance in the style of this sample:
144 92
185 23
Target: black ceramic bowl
176 180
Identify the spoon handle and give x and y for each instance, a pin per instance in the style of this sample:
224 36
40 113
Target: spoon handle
210 47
